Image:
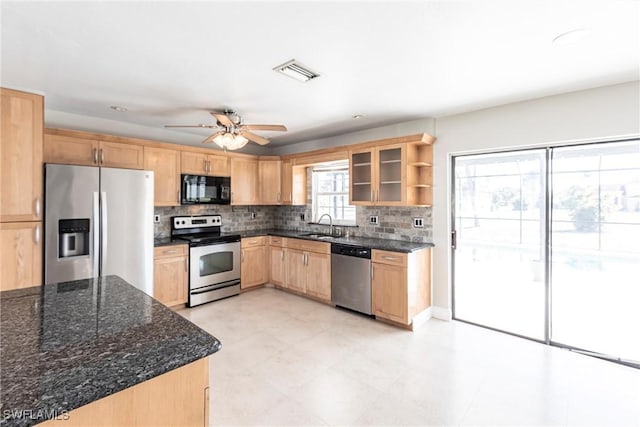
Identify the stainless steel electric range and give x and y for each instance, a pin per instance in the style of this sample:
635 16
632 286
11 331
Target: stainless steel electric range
214 259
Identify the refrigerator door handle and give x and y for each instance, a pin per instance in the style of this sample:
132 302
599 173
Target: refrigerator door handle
96 234
104 231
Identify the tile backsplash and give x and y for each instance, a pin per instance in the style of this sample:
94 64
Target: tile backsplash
394 223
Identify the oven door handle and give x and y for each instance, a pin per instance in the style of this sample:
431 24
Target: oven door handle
210 288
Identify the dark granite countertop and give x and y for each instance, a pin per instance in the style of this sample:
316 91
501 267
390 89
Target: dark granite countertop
382 244
168 241
68 344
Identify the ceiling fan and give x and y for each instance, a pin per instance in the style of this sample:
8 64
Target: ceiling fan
233 133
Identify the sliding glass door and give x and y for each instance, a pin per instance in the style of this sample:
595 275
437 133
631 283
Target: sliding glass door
548 245
499 259
595 248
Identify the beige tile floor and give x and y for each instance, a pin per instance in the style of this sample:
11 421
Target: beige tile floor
286 360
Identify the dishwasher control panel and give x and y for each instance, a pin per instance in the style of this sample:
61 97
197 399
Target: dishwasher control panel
349 250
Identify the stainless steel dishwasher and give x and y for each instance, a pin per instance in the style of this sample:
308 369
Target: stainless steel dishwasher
351 277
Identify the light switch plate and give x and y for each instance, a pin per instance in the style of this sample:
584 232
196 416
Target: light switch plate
373 219
156 219
418 222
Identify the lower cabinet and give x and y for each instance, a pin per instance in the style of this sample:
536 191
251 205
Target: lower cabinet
171 274
401 285
309 268
254 269
20 255
277 261
177 398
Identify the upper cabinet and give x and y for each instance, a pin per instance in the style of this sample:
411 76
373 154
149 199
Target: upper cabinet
270 178
165 165
71 150
392 175
21 182
293 184
244 181
204 164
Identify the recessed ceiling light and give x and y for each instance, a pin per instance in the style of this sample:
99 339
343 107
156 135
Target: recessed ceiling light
119 109
571 37
358 116
296 70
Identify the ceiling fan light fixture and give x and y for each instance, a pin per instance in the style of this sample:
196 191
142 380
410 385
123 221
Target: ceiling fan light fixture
230 141
296 70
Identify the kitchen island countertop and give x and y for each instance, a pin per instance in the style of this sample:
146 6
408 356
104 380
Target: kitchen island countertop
65 345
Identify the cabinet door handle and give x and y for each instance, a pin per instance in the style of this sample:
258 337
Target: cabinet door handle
242 256
101 156
171 251
390 258
291 197
36 234
282 255
95 155
186 265
372 196
178 196
371 271
37 207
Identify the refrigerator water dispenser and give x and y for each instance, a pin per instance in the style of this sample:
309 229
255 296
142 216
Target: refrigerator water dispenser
73 237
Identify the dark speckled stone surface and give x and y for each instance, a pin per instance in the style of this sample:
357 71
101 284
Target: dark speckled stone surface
68 344
382 244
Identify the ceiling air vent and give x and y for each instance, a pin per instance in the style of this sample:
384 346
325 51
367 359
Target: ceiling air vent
296 70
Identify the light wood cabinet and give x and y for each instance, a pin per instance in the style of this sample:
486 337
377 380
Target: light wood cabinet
269 178
293 187
401 284
21 182
165 165
244 181
296 278
69 150
177 398
204 164
20 255
392 175
319 275
277 260
309 268
254 270
171 274
378 175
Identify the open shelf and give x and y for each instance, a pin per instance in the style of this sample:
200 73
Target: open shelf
390 182
382 162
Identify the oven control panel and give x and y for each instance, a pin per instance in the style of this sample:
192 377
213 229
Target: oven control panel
199 221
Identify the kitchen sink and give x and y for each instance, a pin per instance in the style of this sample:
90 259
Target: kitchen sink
317 236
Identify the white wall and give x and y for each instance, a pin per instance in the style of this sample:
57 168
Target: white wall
595 114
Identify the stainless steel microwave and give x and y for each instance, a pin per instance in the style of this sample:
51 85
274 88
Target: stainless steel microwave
205 190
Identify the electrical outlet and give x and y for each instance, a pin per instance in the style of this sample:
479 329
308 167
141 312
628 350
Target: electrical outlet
303 217
373 219
418 222
253 215
156 219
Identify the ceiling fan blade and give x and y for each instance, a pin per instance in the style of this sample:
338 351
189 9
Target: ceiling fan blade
211 137
255 138
280 128
192 126
222 118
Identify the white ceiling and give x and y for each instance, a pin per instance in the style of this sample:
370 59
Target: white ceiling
171 62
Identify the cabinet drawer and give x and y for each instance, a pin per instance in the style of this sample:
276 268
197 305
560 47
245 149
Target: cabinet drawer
170 251
250 242
387 257
277 241
308 245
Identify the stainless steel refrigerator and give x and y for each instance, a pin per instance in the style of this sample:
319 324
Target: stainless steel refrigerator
98 221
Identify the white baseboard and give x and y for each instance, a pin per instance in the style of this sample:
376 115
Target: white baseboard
441 313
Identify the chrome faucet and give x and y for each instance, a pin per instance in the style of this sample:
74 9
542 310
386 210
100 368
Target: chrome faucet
330 222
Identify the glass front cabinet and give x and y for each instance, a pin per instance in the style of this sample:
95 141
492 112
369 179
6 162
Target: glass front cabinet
392 175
